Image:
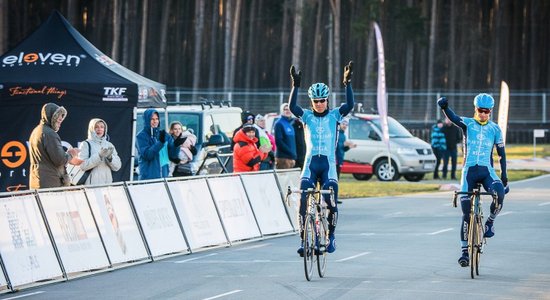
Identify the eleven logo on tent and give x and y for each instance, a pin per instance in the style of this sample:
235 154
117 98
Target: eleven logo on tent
39 58
114 94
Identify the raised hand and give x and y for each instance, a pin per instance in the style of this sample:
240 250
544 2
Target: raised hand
348 71
296 76
443 102
162 136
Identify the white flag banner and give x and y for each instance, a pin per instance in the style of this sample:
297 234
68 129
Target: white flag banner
381 96
503 109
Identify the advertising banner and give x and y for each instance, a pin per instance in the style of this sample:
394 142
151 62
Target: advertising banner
157 218
266 202
26 249
116 223
235 211
197 212
74 230
3 281
290 179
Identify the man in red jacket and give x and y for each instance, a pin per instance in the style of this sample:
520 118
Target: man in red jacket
246 155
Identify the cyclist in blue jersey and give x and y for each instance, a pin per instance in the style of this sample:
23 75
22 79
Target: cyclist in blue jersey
321 131
481 135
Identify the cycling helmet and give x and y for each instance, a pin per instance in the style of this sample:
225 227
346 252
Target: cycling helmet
484 101
318 91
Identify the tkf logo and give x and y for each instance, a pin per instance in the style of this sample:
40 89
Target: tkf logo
114 94
13 154
41 59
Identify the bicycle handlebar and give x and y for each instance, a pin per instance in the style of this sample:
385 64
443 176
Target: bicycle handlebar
290 191
474 192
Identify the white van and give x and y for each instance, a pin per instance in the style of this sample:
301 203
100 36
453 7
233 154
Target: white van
410 156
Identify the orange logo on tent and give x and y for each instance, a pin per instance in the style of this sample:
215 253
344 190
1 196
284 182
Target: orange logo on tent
11 150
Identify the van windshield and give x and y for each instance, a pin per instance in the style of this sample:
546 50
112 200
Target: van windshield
396 130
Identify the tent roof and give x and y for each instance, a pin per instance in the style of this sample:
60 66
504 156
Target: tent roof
57 53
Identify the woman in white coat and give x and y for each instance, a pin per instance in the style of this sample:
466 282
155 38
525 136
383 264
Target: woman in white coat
102 157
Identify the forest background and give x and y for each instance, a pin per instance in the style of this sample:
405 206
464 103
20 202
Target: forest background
250 44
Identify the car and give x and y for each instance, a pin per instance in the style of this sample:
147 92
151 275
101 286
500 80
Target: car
410 156
213 124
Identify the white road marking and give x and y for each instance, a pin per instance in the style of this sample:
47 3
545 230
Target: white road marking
505 213
26 295
224 294
544 203
194 258
440 231
352 257
393 214
253 247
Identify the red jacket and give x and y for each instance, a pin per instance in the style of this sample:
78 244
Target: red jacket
246 155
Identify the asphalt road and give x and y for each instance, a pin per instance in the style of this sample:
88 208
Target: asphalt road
388 248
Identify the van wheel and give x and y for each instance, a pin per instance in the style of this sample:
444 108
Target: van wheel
384 172
362 176
414 177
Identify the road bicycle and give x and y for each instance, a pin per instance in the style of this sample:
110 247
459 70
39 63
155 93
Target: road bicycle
476 229
315 229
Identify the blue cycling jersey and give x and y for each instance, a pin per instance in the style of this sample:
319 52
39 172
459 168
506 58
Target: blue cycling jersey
479 143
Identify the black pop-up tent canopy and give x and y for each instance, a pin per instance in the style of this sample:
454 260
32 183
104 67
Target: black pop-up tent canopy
57 64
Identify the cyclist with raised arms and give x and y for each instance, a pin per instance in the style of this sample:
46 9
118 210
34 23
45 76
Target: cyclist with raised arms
321 131
481 135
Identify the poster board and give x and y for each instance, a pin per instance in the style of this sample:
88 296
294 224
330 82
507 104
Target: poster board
117 224
25 245
157 218
265 198
234 208
292 179
197 212
74 231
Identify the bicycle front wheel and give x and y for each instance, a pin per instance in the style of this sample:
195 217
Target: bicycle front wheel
479 242
309 245
322 238
472 244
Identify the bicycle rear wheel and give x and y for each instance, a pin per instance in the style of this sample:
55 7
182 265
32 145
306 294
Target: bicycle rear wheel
472 245
322 238
309 245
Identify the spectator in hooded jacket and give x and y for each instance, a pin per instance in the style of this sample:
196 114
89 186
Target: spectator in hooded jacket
48 159
246 155
439 145
154 147
99 154
285 156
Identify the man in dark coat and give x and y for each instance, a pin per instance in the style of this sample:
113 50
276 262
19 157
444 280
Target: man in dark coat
453 136
48 159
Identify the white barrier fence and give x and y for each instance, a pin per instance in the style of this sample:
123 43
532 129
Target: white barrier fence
59 234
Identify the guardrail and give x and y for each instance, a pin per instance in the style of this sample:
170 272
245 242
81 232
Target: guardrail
44 234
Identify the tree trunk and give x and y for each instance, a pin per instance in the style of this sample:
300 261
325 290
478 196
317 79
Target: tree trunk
370 82
431 58
72 12
4 28
227 47
336 9
409 61
318 37
162 65
234 41
213 46
143 39
116 29
250 45
297 39
451 60
199 28
283 61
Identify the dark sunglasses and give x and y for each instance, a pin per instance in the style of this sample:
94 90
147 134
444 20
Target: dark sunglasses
319 100
483 111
